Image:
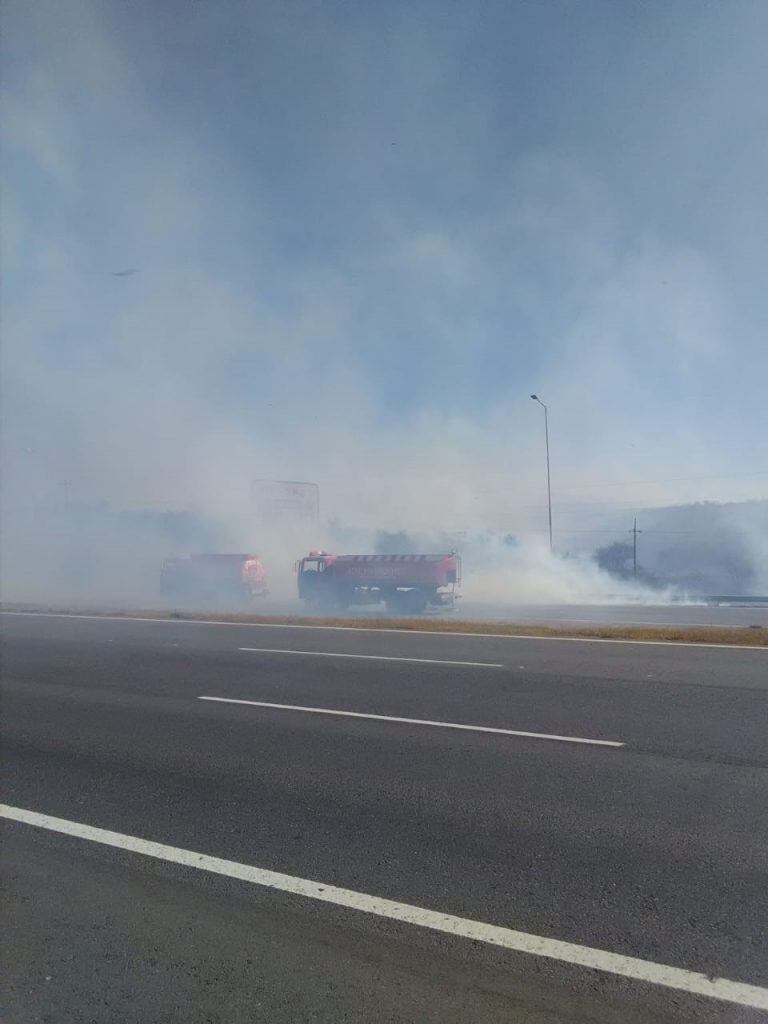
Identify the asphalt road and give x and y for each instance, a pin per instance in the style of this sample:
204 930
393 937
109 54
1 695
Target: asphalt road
656 848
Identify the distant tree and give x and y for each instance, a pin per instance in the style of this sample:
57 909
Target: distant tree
615 559
399 543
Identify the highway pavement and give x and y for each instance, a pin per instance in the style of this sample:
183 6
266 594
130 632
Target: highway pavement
365 825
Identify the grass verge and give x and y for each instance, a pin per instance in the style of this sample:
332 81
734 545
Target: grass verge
746 636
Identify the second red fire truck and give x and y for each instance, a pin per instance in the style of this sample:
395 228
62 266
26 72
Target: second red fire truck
407 584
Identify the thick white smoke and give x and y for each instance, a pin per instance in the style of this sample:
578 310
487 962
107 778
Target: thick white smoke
360 285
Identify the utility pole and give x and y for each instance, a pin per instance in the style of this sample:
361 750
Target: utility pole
549 486
634 531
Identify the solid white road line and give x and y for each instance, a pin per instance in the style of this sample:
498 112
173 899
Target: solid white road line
371 657
416 721
520 942
379 629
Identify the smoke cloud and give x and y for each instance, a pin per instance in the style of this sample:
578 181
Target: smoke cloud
344 245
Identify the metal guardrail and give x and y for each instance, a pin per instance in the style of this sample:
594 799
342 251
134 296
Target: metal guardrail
737 599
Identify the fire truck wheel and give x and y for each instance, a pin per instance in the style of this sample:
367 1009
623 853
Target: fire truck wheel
407 602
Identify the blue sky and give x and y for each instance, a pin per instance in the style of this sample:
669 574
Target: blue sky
365 233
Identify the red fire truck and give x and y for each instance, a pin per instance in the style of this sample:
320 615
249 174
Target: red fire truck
406 583
213 578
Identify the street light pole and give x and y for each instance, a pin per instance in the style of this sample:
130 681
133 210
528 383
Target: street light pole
549 484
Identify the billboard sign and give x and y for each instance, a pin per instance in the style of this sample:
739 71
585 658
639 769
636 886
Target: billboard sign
276 501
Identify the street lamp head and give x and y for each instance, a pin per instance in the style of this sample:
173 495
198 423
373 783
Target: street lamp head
535 398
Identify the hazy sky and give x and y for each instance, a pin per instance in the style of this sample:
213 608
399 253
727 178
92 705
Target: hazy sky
364 233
